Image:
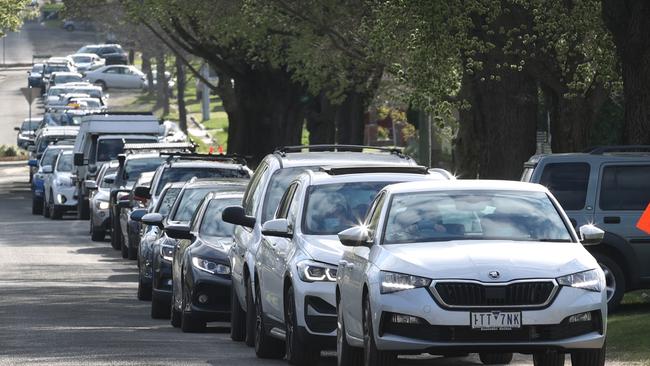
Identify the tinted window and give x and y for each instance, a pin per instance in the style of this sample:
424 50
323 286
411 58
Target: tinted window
277 186
331 208
109 149
473 215
189 202
285 202
65 163
135 167
625 188
212 224
568 183
49 156
171 175
254 191
167 200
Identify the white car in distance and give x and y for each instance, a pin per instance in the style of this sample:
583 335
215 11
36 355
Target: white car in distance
87 61
117 76
493 267
60 192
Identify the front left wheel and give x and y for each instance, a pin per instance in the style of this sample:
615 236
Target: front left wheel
346 355
371 355
297 351
495 358
237 318
588 357
265 345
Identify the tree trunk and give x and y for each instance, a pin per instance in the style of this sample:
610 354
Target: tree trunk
161 84
350 119
180 94
321 117
629 22
146 68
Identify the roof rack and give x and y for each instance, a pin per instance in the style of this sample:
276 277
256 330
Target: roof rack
120 113
404 169
157 146
336 148
599 150
230 158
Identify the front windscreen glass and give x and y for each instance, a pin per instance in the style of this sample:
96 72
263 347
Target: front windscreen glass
81 59
473 215
135 167
109 149
167 200
171 175
65 163
212 224
30 125
277 185
189 202
331 208
49 156
67 79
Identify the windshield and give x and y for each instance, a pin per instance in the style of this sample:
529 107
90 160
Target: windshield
30 125
67 79
109 149
54 68
81 59
277 185
473 215
48 156
38 68
88 49
332 208
212 224
135 167
189 202
55 92
65 163
167 200
171 175
61 119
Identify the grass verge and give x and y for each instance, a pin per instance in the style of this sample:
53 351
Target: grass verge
628 336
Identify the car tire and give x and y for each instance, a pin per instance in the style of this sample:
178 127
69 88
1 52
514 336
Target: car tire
250 315
297 351
175 317
124 250
116 237
371 355
549 358
37 206
102 84
46 209
83 209
265 345
144 291
615 281
132 253
495 358
97 233
237 318
56 212
588 357
346 355
160 309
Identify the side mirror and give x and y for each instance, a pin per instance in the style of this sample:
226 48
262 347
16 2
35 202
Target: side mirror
236 215
136 215
46 169
78 159
109 179
90 185
32 162
153 219
591 235
142 191
356 236
178 232
277 227
17 129
124 203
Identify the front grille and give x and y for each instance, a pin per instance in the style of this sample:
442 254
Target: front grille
472 294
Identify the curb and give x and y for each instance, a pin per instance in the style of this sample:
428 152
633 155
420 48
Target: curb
12 164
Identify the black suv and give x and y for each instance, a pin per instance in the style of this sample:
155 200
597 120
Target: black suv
112 53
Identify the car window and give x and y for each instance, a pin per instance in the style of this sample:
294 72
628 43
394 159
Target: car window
134 167
113 70
568 182
189 202
167 200
49 156
625 188
285 202
178 174
417 217
108 172
374 213
278 184
254 190
109 149
64 163
331 208
212 224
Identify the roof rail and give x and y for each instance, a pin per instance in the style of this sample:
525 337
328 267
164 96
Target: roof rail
120 113
599 150
229 158
336 148
157 146
405 169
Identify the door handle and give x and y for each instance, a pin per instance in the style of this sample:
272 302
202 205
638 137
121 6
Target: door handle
612 220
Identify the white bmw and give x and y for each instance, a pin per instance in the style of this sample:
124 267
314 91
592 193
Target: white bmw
493 267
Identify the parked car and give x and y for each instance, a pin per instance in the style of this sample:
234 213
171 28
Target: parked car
27 132
492 267
299 253
45 137
63 77
117 76
51 67
112 53
53 95
87 61
607 187
100 192
200 265
35 76
150 234
78 25
181 213
48 158
60 191
271 179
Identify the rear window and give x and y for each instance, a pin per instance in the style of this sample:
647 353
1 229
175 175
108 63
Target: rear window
171 175
135 167
568 182
625 188
109 149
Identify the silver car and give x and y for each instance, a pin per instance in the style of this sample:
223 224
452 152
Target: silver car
493 267
100 189
60 191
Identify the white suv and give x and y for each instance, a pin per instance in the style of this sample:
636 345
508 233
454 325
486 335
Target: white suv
296 262
493 267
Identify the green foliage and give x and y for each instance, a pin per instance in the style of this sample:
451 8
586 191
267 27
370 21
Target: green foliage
11 14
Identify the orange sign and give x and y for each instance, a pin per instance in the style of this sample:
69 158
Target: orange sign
644 221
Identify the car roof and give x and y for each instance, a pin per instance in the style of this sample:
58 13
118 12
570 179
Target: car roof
217 182
297 159
464 184
586 157
203 163
59 130
323 177
57 73
85 54
117 137
144 155
58 147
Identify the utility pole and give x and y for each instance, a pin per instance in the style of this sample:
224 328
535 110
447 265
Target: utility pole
424 129
205 93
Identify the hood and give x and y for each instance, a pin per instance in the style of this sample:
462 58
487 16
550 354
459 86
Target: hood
474 259
323 248
212 247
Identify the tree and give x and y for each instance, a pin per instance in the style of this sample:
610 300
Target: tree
11 15
629 23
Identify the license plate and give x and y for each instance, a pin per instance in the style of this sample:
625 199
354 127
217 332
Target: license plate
495 320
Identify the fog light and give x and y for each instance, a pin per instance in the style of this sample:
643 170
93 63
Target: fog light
582 317
203 298
404 319
61 198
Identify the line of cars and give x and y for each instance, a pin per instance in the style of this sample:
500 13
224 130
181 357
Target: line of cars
346 248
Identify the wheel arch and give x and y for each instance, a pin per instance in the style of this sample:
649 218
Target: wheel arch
619 250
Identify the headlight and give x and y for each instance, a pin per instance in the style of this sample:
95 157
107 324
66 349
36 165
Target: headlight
167 252
591 280
102 205
310 271
393 282
210 266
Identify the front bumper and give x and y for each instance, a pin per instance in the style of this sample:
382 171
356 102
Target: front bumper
65 196
441 329
316 311
100 218
217 289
